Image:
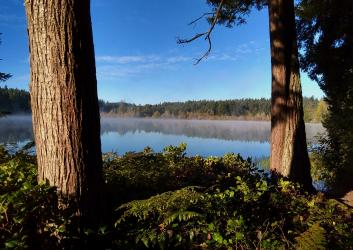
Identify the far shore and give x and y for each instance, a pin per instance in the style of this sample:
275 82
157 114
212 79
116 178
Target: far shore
192 117
201 118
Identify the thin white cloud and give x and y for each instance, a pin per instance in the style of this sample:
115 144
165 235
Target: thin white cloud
244 49
223 57
127 59
110 72
111 66
142 59
239 52
178 59
120 71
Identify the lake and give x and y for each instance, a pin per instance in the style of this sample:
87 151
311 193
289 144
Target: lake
205 138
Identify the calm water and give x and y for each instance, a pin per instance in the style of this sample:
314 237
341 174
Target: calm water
206 138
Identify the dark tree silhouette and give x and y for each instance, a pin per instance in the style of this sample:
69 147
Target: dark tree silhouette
325 30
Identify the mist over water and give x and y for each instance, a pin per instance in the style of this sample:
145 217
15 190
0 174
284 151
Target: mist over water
249 138
15 129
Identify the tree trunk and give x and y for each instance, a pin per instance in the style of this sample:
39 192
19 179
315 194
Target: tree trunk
289 155
64 102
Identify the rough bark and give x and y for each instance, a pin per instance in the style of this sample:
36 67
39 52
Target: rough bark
64 101
289 155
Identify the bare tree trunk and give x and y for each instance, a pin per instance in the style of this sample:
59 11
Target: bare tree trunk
289 155
64 101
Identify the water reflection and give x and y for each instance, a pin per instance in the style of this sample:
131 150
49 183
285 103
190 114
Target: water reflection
249 131
15 129
249 138
226 130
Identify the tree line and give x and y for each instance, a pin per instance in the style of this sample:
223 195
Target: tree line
249 108
18 101
14 101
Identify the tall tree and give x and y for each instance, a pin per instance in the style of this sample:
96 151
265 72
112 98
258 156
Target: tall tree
325 30
289 155
64 102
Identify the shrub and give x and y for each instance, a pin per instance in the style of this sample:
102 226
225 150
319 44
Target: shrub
29 213
143 174
170 201
240 207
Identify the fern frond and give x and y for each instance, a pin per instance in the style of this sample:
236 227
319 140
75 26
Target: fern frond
313 238
180 216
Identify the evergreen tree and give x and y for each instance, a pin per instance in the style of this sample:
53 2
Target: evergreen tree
326 36
252 109
14 100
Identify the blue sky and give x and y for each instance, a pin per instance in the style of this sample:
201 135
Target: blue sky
138 59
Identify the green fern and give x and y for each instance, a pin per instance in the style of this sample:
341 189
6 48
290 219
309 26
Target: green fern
162 204
180 216
313 238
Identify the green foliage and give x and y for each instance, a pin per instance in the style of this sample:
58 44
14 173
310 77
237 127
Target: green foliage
236 209
29 213
253 212
325 32
313 238
24 204
147 173
234 12
319 168
151 217
259 108
170 201
314 109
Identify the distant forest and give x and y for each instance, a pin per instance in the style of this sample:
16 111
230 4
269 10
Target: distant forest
18 101
14 101
239 109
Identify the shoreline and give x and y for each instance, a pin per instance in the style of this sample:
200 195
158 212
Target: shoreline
211 118
200 118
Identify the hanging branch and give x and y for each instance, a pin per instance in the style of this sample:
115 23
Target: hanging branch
199 18
206 34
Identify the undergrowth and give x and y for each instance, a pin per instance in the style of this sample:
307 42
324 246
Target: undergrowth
168 200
